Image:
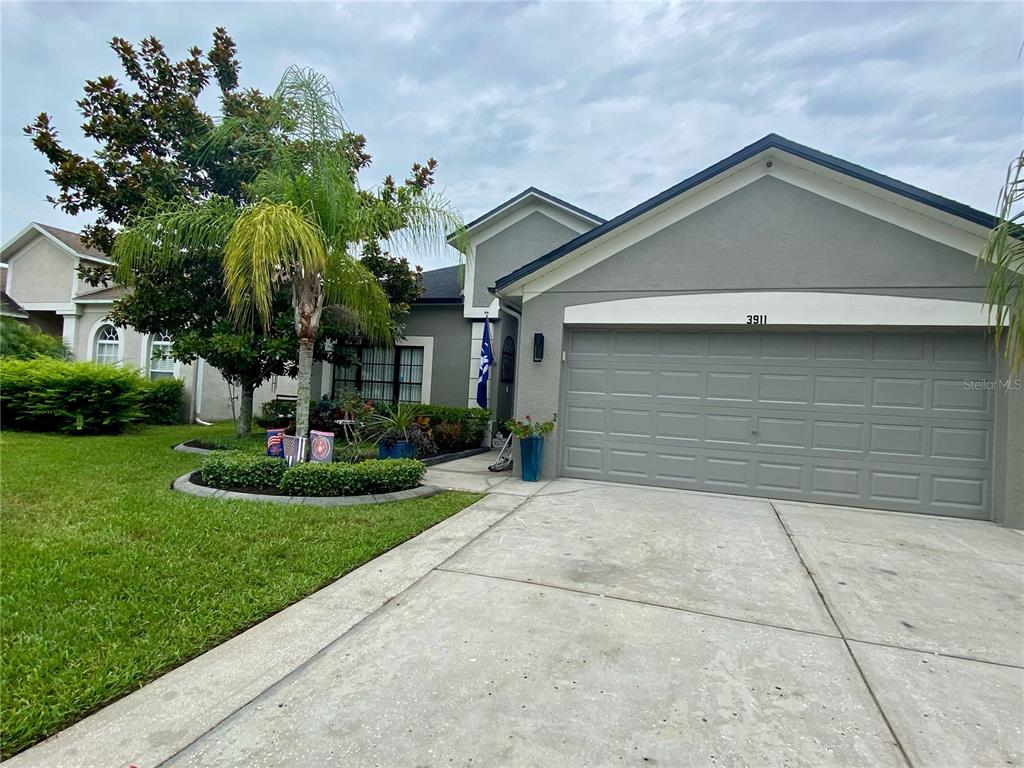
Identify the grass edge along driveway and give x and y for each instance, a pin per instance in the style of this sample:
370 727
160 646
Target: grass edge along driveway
110 578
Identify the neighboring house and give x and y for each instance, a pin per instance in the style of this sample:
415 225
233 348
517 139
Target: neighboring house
41 280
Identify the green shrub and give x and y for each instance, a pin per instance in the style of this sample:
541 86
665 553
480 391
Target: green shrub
22 341
238 469
161 401
455 429
373 476
46 394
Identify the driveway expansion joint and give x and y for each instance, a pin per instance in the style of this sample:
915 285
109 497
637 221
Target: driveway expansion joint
843 637
619 598
396 599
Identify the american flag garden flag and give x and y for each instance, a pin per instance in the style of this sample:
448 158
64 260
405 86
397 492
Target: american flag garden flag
486 361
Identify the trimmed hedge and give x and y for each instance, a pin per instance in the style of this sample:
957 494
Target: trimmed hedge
234 470
237 469
372 476
160 401
47 394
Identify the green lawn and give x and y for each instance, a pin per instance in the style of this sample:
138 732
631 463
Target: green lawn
109 578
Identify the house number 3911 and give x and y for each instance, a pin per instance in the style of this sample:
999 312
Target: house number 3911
757 319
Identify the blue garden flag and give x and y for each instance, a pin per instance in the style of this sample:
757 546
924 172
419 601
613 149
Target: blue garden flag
486 361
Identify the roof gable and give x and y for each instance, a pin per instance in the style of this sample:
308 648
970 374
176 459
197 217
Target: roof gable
528 196
769 145
68 242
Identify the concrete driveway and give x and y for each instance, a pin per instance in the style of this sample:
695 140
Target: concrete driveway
597 624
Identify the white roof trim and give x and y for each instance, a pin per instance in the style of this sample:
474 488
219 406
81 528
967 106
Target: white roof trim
780 308
56 241
852 193
533 197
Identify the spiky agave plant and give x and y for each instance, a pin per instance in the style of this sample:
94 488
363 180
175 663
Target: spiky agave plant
302 224
1004 250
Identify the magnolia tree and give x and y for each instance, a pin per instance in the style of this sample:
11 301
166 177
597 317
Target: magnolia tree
301 225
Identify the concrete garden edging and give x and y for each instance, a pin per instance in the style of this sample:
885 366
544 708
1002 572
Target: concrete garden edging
184 484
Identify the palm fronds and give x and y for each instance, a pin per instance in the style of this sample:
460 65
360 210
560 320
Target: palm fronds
270 243
1004 250
171 231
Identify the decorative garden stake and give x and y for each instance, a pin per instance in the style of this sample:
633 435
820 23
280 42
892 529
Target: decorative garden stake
275 442
321 446
531 444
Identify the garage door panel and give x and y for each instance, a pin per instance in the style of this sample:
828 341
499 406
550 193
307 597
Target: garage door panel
735 430
955 397
733 346
898 393
763 414
840 390
786 346
688 385
963 351
960 443
587 381
848 437
791 388
897 440
629 423
737 386
900 348
631 383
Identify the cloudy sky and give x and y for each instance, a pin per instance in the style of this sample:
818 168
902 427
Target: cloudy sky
601 104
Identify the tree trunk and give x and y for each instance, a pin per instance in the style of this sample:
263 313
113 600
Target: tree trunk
305 374
244 424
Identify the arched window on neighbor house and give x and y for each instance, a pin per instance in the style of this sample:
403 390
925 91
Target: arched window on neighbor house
108 346
161 364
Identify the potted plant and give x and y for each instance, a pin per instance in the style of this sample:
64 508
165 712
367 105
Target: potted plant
392 425
531 444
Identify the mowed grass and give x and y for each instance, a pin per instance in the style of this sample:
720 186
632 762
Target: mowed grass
109 578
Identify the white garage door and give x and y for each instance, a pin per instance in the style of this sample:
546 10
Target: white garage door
888 420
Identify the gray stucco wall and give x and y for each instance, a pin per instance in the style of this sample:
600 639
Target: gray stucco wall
769 235
449 382
40 272
508 250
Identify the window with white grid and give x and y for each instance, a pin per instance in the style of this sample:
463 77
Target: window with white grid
108 346
161 364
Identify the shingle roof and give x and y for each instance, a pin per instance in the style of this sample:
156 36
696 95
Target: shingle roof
10 308
110 293
771 141
72 240
442 286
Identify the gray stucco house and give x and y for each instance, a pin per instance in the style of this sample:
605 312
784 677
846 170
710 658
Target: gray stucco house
783 324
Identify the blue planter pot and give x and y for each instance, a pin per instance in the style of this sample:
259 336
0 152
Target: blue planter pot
401 449
531 452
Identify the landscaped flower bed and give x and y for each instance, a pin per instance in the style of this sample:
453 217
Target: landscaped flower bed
240 471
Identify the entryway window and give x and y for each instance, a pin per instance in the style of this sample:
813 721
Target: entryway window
394 375
507 372
108 346
161 364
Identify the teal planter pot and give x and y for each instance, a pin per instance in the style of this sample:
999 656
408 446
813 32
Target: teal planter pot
400 449
531 452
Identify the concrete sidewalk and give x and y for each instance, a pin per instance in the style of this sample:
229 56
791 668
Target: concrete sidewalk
598 624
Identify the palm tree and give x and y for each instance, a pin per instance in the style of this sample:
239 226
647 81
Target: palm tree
303 224
1004 249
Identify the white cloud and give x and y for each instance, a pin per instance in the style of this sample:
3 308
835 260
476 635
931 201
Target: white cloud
403 30
602 104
